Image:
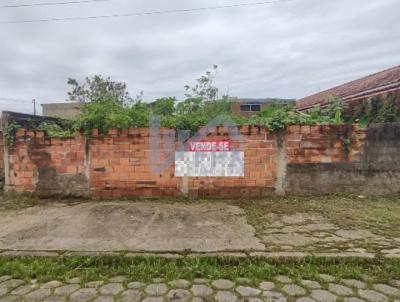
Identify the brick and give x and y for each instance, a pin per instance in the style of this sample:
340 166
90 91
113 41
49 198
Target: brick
113 132
72 170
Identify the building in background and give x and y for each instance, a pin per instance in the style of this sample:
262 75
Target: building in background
355 92
250 106
62 110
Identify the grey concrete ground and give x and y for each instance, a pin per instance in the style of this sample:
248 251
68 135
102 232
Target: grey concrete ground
124 226
279 289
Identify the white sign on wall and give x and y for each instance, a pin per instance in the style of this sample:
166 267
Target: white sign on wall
209 158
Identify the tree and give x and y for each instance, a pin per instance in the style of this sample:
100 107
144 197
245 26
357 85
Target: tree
98 89
164 106
204 87
190 106
335 109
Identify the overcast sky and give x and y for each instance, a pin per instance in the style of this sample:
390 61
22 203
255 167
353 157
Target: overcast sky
287 50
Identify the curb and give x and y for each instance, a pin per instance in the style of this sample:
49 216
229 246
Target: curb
173 255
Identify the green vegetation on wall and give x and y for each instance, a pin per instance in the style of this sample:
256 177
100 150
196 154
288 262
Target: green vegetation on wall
107 104
378 110
9 133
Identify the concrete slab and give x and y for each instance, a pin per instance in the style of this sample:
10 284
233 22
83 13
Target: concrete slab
128 226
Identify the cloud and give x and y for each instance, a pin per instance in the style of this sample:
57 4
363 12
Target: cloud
289 49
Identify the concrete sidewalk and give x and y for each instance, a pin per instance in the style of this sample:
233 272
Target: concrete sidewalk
183 229
128 226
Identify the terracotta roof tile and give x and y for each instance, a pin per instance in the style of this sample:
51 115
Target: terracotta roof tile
383 81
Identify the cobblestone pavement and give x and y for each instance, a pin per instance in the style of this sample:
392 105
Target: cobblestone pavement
280 288
312 233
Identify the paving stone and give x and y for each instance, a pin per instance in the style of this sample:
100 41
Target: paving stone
386 289
157 289
55 299
111 289
74 281
340 290
272 296
323 296
293 290
253 300
225 296
266 285
395 283
178 295
52 284
391 251
305 299
201 281
104 299
5 278
355 234
136 285
222 284
66 290
246 291
153 299
94 284
372 296
354 283
9 298
23 290
201 290
3 291
117 279
83 295
11 283
311 284
131 295
326 278
38 295
353 299
283 279
181 283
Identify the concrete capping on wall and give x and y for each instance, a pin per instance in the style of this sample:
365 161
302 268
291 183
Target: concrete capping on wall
298 160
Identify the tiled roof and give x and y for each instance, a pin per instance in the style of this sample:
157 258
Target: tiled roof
384 81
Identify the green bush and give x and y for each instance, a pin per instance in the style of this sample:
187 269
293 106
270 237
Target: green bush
378 110
55 130
193 113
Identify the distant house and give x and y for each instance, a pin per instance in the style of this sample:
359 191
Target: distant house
355 92
249 106
68 110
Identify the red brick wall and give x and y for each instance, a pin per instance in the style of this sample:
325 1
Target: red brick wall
260 171
119 166
323 144
343 159
38 164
